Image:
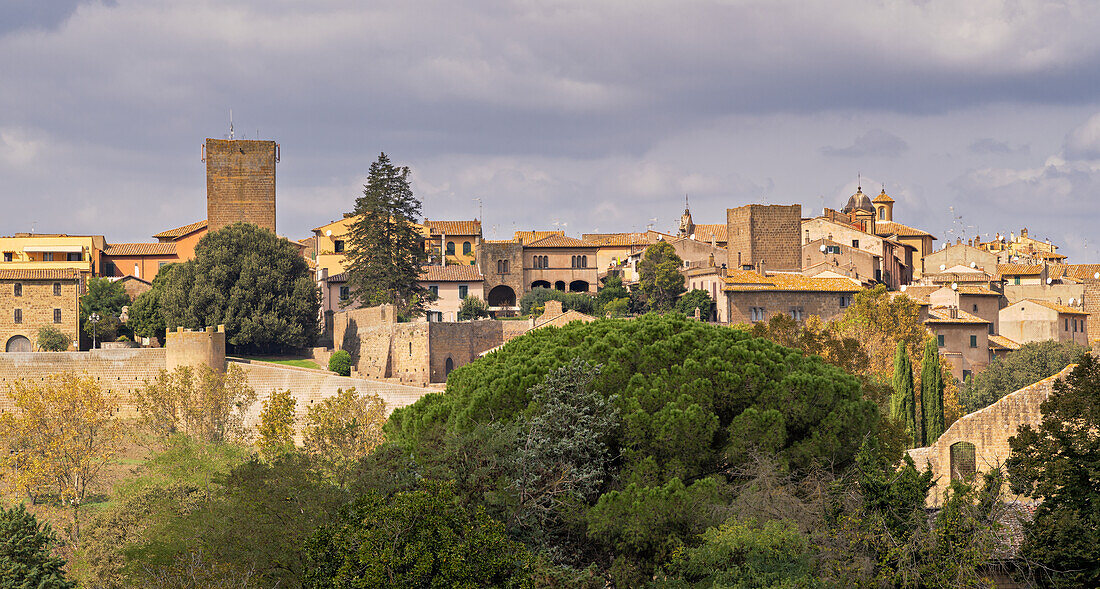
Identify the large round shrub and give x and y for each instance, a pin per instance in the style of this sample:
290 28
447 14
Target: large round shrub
340 363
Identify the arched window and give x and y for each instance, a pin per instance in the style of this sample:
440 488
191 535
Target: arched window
505 266
963 463
584 261
448 367
450 248
573 261
466 249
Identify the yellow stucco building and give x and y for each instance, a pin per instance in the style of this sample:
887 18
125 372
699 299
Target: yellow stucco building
52 251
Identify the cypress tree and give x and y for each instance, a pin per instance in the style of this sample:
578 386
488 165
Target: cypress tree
903 405
931 393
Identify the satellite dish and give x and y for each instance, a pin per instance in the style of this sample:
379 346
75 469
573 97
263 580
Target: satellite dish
328 232
943 267
973 264
1049 280
1096 275
823 248
1072 302
903 287
954 286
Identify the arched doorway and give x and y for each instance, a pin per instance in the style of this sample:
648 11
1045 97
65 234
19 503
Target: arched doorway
448 366
578 286
19 343
963 462
540 284
559 285
501 296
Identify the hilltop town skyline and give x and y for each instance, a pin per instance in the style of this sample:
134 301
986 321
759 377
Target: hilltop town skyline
554 120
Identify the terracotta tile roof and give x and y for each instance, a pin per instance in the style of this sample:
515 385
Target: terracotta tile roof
707 232
617 239
977 290
341 277
1077 271
454 227
943 315
451 273
1059 308
948 277
181 231
1000 342
747 281
1019 269
920 292
43 274
141 249
526 237
887 228
558 241
501 241
883 197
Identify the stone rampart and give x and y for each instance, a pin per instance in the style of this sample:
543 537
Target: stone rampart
195 347
988 430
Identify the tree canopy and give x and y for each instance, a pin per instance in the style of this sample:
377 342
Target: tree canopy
105 299
257 284
1031 363
385 249
26 558
659 276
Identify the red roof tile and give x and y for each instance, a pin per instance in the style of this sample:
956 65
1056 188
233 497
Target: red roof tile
43 274
141 249
182 231
454 227
451 273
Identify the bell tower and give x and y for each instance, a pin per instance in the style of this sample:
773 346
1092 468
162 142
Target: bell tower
687 226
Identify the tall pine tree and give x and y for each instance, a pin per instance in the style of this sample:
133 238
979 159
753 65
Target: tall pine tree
385 247
931 384
903 405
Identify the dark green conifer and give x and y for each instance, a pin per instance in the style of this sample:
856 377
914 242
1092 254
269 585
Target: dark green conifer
903 405
931 394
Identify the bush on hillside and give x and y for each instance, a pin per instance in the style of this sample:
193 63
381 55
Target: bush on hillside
340 363
570 301
51 339
1028 365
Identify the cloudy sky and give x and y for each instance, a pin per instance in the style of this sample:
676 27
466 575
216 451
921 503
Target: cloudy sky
979 117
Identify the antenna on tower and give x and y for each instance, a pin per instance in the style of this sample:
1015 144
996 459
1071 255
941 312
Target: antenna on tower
859 182
231 124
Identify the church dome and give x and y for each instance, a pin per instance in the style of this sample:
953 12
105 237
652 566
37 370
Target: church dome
859 202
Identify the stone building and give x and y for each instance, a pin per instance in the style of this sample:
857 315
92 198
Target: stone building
32 299
979 301
240 182
826 255
764 236
1034 321
458 241
450 286
961 254
140 260
504 281
894 259
750 296
561 263
614 249
963 339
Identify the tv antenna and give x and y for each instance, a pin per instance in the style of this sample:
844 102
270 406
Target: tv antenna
230 124
480 214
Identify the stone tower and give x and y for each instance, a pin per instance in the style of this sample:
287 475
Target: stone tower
765 234
240 182
687 226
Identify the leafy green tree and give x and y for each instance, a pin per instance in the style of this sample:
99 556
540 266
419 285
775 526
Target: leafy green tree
1028 365
277 425
385 248
813 336
51 339
563 454
570 301
931 383
26 558
696 299
419 538
617 307
744 553
879 321
903 403
611 290
473 308
340 363
252 523
255 283
659 276
145 318
1057 463
104 298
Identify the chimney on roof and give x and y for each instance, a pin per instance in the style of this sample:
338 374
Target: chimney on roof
760 269
953 312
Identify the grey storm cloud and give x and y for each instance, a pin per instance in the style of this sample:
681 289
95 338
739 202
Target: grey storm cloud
875 142
531 106
988 145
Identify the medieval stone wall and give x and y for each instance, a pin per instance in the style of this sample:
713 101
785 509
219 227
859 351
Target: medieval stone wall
988 430
825 305
240 183
193 348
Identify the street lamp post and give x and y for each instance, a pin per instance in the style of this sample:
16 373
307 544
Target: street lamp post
95 320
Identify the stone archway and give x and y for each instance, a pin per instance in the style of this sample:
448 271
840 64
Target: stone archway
19 343
559 285
578 286
540 284
502 295
963 463
448 366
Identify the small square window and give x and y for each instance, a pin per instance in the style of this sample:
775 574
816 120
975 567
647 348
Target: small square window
75 257
463 291
57 289
19 315
973 341
855 243
18 289
939 340
57 315
345 293
7 256
434 289
338 246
